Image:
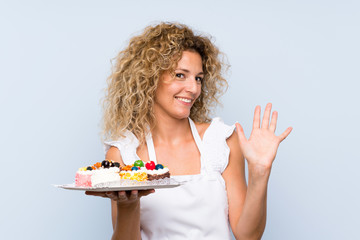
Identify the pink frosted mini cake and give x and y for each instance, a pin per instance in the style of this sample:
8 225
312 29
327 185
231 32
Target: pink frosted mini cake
98 174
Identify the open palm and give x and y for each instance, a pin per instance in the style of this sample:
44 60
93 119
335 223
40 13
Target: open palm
261 147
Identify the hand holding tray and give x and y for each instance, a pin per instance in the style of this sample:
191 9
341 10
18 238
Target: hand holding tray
133 186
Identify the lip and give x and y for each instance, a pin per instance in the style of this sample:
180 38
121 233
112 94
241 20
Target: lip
185 103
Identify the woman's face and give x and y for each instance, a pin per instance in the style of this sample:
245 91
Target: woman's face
175 95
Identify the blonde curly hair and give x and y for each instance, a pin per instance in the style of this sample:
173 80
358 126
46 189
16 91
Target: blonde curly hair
129 100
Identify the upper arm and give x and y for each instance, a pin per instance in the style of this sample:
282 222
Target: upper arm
235 180
114 154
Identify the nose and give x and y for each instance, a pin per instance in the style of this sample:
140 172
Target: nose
191 85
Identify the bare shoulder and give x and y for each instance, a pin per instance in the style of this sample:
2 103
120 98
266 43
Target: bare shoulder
233 141
114 154
236 158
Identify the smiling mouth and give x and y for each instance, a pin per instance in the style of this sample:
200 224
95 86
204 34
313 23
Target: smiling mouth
185 100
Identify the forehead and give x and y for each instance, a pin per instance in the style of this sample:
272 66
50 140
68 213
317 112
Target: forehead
190 60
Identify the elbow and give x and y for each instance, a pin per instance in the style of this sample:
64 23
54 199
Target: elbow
254 235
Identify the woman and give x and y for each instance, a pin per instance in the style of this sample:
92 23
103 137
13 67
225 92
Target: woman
157 108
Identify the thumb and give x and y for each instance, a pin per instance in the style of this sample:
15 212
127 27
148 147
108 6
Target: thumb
240 132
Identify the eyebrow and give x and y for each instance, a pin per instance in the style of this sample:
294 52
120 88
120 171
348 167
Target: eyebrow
187 71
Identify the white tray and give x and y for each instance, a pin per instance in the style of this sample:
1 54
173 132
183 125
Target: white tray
133 186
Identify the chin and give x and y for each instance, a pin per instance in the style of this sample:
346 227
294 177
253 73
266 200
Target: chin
182 115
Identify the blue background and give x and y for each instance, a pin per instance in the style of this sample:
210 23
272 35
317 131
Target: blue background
303 56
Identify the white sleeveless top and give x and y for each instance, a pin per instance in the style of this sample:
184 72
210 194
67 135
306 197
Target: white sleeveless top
198 208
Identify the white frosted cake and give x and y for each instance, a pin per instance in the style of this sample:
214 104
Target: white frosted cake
98 174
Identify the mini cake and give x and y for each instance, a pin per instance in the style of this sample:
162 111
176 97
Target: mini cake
144 172
98 174
110 174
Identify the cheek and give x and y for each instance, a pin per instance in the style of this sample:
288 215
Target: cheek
173 89
199 92
164 95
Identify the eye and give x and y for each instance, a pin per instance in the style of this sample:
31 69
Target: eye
199 79
179 75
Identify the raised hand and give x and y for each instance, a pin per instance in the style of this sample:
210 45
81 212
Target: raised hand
261 147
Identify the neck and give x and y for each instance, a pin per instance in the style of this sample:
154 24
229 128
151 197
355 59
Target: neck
171 130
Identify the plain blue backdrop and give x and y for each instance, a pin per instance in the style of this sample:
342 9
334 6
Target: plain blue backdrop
303 56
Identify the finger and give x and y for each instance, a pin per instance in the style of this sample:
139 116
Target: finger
285 134
98 194
240 133
256 122
273 121
143 193
121 196
134 195
111 195
266 117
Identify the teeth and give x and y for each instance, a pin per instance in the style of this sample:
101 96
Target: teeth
184 100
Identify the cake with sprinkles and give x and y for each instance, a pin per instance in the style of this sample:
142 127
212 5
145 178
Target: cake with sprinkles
110 174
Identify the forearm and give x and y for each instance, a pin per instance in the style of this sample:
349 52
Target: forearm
127 222
252 221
